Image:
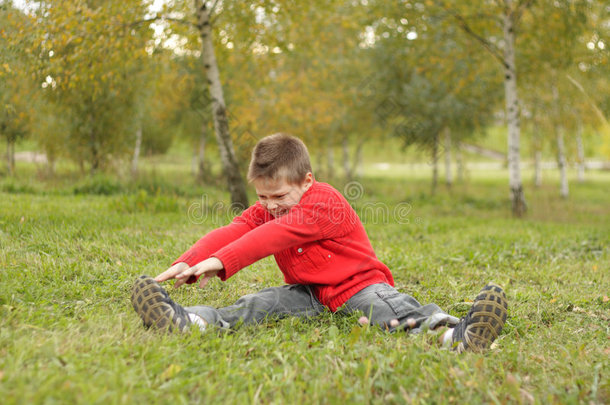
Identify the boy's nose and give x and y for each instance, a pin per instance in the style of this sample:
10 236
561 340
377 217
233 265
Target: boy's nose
271 205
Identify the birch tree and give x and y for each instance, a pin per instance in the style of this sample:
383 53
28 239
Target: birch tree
507 15
200 16
237 187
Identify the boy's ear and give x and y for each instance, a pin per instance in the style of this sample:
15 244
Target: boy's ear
308 179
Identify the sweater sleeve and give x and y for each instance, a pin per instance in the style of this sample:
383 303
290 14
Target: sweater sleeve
306 222
218 238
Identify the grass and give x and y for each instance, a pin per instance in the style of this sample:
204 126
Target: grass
70 252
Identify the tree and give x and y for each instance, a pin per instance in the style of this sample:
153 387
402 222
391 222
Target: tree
237 188
201 17
484 21
17 92
91 60
420 94
508 15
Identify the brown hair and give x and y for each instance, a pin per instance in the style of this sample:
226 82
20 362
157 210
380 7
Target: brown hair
280 156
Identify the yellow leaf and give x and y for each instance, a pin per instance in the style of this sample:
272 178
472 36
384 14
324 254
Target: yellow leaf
170 371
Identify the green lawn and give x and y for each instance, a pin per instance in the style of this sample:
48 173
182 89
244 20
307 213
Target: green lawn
68 334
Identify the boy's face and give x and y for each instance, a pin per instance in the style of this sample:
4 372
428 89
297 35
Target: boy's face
278 196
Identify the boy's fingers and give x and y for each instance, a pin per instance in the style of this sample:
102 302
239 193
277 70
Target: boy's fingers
204 281
187 273
180 282
171 272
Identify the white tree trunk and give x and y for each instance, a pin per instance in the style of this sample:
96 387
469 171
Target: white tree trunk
330 160
237 187
435 163
201 157
581 155
447 141
538 168
357 164
512 113
10 156
459 158
320 163
136 152
561 163
346 166
194 164
561 153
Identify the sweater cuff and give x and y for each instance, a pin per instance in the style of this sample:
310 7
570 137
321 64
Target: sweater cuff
229 261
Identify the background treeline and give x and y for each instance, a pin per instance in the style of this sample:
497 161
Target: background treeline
101 83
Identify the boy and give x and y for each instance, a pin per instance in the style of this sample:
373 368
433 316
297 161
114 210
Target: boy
321 247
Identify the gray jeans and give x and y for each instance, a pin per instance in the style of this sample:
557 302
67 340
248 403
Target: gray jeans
381 303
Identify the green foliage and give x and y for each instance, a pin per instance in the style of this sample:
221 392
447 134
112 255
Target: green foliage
143 202
99 184
416 92
92 58
17 91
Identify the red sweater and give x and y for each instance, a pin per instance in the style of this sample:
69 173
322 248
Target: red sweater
320 242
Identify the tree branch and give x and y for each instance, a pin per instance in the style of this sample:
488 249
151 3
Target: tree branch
213 8
521 7
599 112
160 18
483 16
463 24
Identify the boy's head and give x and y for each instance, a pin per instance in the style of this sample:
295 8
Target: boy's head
279 156
280 171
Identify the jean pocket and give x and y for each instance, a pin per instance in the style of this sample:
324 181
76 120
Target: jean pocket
395 301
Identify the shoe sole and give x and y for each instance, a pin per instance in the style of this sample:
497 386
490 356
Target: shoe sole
490 309
151 303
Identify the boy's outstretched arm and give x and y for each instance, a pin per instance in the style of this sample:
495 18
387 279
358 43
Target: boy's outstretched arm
207 268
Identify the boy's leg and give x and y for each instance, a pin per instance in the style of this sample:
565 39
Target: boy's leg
393 310
157 309
383 304
277 302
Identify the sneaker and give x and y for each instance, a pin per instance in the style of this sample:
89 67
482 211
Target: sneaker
483 323
156 308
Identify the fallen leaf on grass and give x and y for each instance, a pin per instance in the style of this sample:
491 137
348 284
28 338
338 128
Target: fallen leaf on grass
526 397
170 371
1 375
538 358
511 379
605 298
456 372
606 351
590 313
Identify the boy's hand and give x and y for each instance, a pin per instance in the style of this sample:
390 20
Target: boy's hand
181 272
